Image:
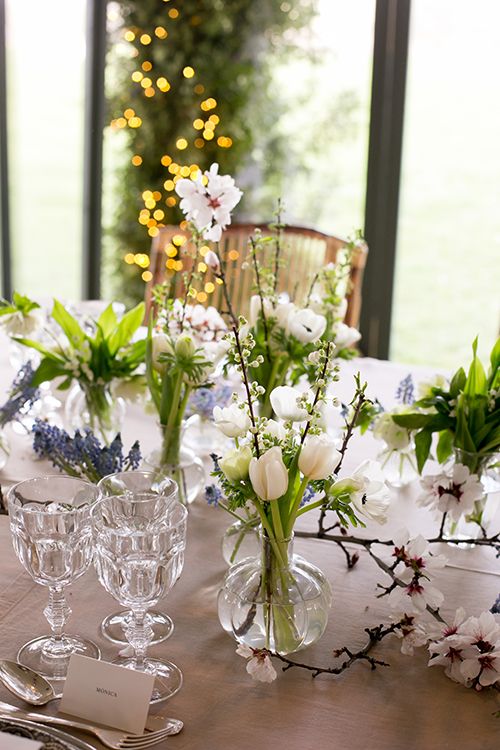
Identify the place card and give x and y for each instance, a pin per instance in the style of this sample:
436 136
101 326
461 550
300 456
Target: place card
14 742
107 694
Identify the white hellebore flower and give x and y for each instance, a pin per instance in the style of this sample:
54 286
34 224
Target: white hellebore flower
232 421
386 429
22 324
259 665
269 475
318 457
161 344
306 325
284 400
454 494
368 491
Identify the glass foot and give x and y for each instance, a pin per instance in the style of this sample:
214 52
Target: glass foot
112 626
51 658
168 680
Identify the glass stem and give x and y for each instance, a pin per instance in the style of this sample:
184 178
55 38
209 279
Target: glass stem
139 634
57 612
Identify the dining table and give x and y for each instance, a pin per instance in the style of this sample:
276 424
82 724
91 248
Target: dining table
401 705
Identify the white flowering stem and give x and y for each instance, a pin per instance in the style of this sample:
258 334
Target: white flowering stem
261 297
276 378
319 391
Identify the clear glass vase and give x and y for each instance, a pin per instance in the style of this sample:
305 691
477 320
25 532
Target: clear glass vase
201 435
4 449
399 467
94 407
178 462
473 525
276 600
241 540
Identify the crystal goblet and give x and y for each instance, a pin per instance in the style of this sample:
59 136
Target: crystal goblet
52 537
121 483
139 550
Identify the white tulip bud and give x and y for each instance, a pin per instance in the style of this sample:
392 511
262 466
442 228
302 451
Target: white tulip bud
235 464
318 457
269 475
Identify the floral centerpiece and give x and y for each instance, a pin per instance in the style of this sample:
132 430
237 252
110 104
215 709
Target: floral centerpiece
95 362
20 317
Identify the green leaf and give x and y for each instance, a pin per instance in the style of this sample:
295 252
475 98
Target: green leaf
38 346
463 438
476 383
423 440
69 324
126 328
107 321
48 369
457 382
412 421
444 447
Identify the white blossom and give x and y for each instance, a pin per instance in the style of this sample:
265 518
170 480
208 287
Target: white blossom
232 421
259 664
306 325
345 336
368 491
454 494
284 400
269 475
318 457
209 206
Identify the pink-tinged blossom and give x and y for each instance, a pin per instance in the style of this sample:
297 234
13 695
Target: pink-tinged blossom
453 493
209 206
259 664
414 568
413 632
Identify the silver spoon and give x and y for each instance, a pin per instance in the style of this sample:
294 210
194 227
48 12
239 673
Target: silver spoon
32 688
26 684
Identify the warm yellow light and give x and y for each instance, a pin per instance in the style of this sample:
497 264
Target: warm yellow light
173 13
166 160
168 185
153 231
151 223
147 194
145 39
184 172
218 280
199 88
204 250
208 135
209 125
201 297
161 32
184 225
137 160
150 203
129 258
135 122
199 143
146 66
137 76
147 276
204 180
194 175
149 92
202 267
171 201
179 239
129 36
209 287
143 220
181 144
177 177
188 72
146 83
162 83
170 263
209 103
233 255
178 265
215 119
121 122
159 214
198 124
171 251
157 195
129 113
173 168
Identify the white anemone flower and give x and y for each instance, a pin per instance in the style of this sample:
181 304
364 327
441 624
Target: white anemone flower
345 336
368 491
306 325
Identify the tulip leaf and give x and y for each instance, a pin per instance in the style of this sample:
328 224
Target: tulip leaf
68 323
457 382
127 326
423 440
444 447
412 421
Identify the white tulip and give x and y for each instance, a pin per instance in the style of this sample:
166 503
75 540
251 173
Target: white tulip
234 465
284 400
232 421
269 475
318 457
161 344
306 325
256 307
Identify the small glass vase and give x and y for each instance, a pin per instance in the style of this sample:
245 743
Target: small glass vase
276 600
399 467
94 407
201 435
241 540
472 525
178 462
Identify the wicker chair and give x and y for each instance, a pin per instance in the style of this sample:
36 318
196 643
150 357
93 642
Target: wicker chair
304 252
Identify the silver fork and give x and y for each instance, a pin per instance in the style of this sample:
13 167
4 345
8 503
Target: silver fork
112 738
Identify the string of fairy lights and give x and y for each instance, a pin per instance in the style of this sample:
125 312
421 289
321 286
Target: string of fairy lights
203 128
